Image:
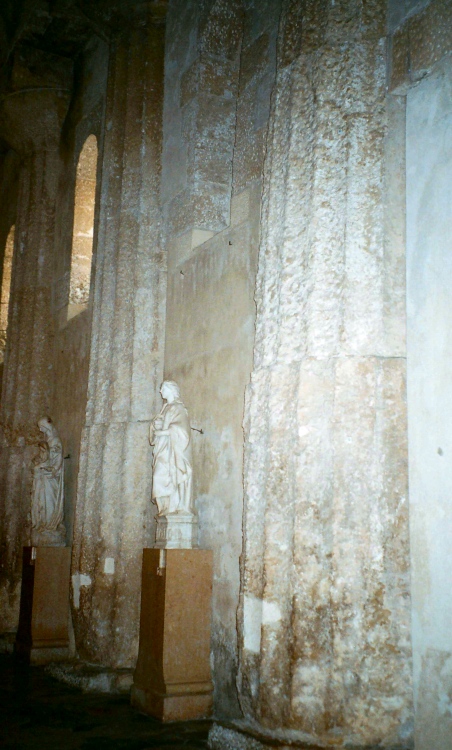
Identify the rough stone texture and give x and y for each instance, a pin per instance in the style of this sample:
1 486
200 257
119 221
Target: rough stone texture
429 194
324 613
211 279
73 335
27 382
201 82
46 367
400 10
113 514
324 616
422 39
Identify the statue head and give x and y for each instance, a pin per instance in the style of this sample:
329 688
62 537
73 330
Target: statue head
45 424
170 391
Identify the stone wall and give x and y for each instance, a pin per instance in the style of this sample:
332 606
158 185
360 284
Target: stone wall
249 243
429 193
420 70
113 516
31 119
325 603
212 265
46 363
73 334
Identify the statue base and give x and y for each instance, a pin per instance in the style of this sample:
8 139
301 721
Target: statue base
43 632
46 538
172 678
177 531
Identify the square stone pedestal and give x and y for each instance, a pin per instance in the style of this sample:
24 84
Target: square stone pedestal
176 531
43 632
172 679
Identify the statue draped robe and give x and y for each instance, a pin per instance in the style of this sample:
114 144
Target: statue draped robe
48 489
172 461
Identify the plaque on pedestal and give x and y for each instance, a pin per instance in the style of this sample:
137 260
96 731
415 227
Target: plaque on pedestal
172 678
43 632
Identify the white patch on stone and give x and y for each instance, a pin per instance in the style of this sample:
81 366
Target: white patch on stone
271 613
78 580
109 565
252 622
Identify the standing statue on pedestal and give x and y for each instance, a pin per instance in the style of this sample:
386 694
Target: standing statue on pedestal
172 480
47 506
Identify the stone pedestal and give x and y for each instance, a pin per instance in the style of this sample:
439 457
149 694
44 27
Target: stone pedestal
176 531
43 632
55 538
172 677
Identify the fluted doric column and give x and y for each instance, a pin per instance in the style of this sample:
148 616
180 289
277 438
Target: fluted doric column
31 122
324 616
113 511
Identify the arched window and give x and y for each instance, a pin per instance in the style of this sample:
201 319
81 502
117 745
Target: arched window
5 290
82 237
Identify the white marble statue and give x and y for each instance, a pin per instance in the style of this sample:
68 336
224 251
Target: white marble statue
172 476
47 507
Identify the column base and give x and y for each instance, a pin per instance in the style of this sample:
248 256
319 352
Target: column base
174 706
56 538
91 678
239 735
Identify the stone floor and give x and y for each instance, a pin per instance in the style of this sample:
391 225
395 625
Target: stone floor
36 711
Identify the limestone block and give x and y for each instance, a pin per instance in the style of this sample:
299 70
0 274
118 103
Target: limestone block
423 40
174 166
400 63
240 207
28 382
324 612
434 691
189 83
206 207
364 248
216 349
430 37
254 60
218 78
221 32
428 154
261 18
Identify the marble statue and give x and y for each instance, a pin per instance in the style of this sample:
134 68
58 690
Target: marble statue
47 508
172 471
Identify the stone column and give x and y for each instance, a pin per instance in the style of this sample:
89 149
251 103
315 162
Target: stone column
113 512
31 122
325 626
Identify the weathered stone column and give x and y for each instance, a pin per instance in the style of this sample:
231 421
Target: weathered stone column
113 511
324 615
31 122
